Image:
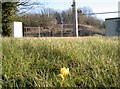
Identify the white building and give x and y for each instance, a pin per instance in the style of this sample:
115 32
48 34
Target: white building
17 29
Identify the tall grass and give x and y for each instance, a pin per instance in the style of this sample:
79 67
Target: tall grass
35 62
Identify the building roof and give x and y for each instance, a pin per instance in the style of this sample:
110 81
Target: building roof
112 18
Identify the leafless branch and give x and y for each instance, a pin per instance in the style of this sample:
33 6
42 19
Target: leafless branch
27 5
26 10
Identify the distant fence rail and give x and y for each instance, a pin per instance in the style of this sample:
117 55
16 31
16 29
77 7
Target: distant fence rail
59 30
49 32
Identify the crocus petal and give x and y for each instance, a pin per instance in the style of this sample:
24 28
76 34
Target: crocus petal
63 79
61 76
64 71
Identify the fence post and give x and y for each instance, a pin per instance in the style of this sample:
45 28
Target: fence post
61 30
39 31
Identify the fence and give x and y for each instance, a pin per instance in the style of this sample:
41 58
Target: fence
56 31
59 30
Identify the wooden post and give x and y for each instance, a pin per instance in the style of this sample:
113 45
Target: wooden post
62 30
39 31
26 32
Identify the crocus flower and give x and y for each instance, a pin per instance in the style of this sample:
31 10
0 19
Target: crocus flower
63 73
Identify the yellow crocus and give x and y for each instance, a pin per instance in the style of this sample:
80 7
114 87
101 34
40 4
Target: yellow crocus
63 73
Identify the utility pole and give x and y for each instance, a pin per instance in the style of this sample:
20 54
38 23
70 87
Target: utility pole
75 19
119 8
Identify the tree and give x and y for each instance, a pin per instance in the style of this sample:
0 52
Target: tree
67 16
58 18
43 19
10 12
86 10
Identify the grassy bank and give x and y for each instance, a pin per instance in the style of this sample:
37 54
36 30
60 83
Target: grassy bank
35 62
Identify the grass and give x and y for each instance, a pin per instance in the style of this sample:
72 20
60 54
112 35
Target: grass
36 62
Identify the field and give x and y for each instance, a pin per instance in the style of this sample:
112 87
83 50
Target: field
36 62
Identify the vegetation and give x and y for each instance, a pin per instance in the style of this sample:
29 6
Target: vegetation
48 17
10 12
14 11
36 62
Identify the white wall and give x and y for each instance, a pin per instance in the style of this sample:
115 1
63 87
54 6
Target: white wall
17 29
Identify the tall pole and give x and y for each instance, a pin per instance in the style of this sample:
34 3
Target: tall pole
119 9
75 19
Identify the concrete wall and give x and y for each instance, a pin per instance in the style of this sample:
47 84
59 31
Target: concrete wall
112 26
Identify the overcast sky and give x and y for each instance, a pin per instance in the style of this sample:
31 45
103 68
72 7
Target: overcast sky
97 6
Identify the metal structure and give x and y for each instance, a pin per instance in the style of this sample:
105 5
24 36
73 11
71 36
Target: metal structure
75 19
112 26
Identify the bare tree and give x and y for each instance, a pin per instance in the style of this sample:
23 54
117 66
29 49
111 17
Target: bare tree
26 5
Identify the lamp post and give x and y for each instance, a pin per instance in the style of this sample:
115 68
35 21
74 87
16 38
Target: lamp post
75 19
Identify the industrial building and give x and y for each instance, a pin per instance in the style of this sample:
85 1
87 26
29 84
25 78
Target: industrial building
112 26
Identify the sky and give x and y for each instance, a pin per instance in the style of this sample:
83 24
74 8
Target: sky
97 6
